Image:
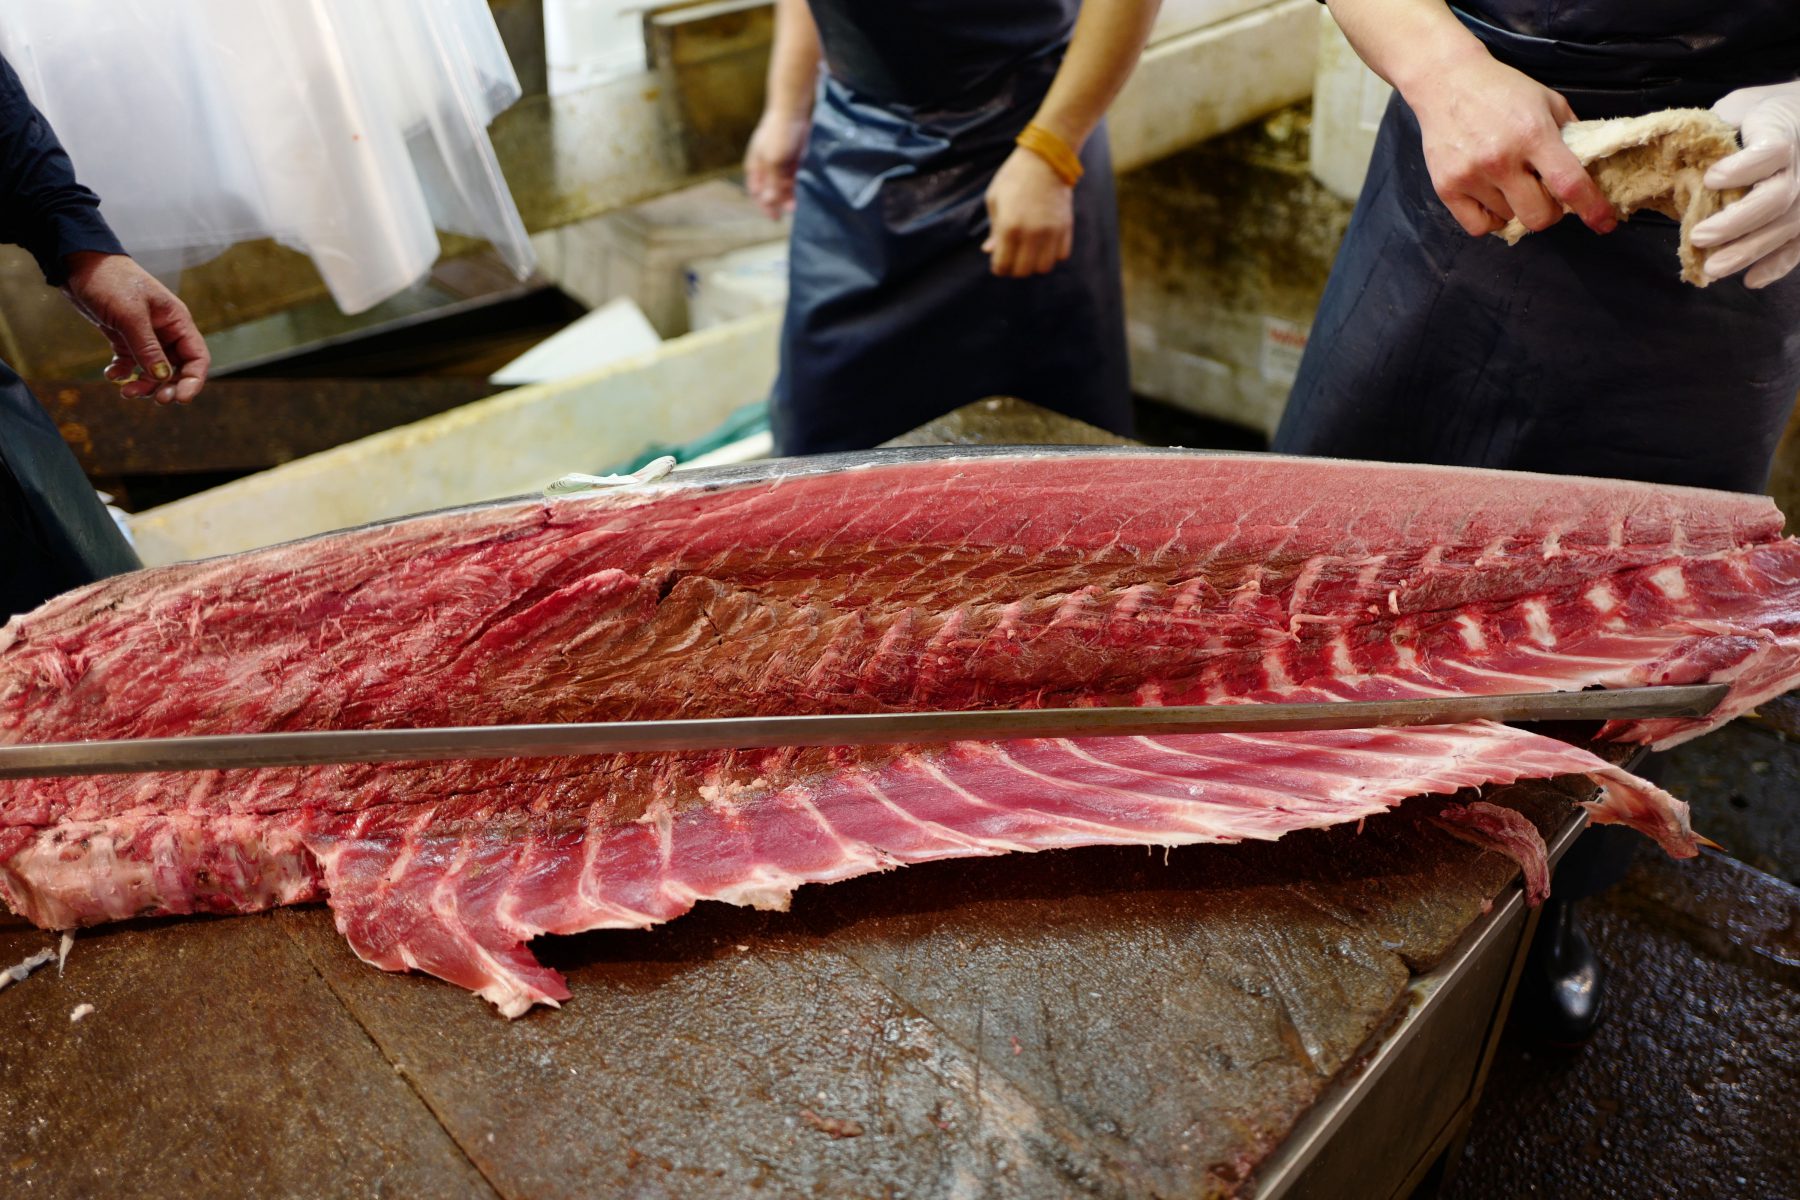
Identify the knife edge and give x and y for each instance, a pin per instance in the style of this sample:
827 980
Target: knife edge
337 747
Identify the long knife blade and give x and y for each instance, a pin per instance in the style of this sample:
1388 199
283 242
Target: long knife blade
322 748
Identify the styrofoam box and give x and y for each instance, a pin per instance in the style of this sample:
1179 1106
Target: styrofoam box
1348 100
642 252
737 285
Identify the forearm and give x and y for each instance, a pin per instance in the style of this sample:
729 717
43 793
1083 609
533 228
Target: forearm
793 60
1109 36
42 207
1410 43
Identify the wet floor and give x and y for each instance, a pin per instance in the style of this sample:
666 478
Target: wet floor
1744 785
1692 1086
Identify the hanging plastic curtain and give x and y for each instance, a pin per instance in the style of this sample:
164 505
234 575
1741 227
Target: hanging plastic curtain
350 130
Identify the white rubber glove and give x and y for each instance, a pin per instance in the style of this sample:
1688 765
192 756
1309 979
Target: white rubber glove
1761 230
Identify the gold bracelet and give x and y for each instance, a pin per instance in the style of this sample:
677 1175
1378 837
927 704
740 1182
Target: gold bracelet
1052 149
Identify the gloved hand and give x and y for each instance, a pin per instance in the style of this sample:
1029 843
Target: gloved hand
1761 230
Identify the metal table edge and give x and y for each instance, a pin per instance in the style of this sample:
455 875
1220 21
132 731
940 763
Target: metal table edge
1283 1169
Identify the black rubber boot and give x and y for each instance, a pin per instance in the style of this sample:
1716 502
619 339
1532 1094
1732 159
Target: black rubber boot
1563 989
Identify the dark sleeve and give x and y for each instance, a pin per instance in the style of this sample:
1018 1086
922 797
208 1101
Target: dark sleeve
42 208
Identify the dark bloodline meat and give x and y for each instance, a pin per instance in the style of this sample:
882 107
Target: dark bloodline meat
1507 831
1098 577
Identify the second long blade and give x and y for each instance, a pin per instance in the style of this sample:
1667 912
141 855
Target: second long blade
322 748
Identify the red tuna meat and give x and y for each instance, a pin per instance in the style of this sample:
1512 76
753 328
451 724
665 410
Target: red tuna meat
955 580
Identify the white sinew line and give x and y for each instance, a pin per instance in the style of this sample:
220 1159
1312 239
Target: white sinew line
1008 810
941 831
1164 804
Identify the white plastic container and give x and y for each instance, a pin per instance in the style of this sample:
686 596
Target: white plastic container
643 252
588 42
611 333
510 444
737 285
1348 100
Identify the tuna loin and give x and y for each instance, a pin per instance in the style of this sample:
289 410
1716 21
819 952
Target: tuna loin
962 580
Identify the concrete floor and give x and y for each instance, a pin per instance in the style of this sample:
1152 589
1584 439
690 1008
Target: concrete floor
1692 1085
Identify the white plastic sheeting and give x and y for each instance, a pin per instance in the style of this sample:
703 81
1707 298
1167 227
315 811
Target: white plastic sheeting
350 130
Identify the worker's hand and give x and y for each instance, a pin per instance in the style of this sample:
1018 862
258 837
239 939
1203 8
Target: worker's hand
157 350
1031 217
773 158
1493 144
1760 230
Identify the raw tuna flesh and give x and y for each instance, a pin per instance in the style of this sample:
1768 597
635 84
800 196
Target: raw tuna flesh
1508 831
949 580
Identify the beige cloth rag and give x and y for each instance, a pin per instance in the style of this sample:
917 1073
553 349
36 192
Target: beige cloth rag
1655 161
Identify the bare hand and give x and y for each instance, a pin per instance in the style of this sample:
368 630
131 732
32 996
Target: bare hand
1031 217
157 349
1494 148
772 159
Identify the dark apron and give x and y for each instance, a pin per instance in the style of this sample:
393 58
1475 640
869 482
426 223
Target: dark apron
54 532
1571 352
893 317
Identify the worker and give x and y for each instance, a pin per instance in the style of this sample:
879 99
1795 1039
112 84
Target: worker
55 533
955 234
1579 350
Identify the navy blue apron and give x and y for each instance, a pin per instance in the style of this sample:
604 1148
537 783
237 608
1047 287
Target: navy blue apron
893 317
54 532
1571 352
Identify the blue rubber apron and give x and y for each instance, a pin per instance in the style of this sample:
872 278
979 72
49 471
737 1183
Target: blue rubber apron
893 317
54 532
1571 352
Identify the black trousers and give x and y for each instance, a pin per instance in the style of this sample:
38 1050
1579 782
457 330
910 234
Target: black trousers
55 534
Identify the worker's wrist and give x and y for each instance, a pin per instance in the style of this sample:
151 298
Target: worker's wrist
789 99
1073 133
65 242
1054 150
76 265
787 111
1425 67
75 260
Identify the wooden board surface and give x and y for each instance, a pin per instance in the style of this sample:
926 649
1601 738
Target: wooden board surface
244 425
1100 1022
216 1062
